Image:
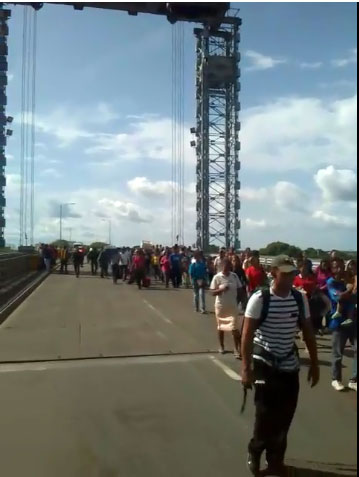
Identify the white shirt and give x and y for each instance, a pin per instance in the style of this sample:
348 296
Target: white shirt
125 258
277 333
229 297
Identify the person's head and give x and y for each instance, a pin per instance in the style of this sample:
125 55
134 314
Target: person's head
175 249
222 253
304 266
334 255
338 268
325 265
283 271
352 267
197 255
236 262
227 266
255 262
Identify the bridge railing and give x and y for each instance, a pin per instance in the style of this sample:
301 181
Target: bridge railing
15 265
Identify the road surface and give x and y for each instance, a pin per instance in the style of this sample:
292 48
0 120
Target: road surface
103 380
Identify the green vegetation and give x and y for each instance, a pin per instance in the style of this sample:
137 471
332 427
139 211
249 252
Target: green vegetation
279 248
98 245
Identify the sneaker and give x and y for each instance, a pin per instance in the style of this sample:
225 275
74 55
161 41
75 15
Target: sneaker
203 312
237 355
221 351
338 385
352 385
254 464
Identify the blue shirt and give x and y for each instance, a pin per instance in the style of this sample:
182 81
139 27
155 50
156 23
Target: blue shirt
335 288
198 271
175 260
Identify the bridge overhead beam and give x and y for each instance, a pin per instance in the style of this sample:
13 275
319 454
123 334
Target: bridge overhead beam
211 14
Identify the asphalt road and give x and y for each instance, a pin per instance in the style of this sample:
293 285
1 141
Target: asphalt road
99 380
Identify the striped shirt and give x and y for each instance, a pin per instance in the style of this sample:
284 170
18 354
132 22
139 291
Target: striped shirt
277 333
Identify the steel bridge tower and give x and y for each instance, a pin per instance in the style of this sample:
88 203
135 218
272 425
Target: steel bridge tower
4 31
217 144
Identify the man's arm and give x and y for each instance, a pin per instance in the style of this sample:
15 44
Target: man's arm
311 343
249 328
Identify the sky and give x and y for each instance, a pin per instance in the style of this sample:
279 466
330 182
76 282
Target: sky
103 125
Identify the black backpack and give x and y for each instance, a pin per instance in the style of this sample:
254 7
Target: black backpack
258 350
266 302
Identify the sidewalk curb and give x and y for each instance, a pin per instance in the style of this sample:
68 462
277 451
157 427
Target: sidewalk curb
11 305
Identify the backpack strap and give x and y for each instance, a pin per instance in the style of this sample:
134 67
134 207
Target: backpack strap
265 307
298 296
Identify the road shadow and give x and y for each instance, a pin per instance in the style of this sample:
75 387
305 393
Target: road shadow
317 469
306 362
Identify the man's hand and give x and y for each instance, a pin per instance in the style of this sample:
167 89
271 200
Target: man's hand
247 379
313 375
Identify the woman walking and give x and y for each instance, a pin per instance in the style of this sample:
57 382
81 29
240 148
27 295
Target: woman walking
225 287
139 267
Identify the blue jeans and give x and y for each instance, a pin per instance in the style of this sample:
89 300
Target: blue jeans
199 296
340 338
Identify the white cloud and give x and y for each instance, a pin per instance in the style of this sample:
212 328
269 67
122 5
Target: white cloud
337 184
288 196
249 193
143 186
351 59
10 77
145 139
69 124
300 133
261 62
255 224
122 210
334 220
51 173
311 66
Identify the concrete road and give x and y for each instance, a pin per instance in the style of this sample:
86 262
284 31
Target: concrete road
108 381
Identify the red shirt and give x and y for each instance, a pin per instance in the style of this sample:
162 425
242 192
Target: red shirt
256 278
138 262
309 283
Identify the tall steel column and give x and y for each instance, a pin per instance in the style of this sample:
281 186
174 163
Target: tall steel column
217 145
4 15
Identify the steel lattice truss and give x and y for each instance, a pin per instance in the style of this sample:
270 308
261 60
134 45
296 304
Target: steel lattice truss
217 136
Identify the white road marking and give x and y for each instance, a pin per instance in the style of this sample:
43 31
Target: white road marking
158 313
227 370
161 335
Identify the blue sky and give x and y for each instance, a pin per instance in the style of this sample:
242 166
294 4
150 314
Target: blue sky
104 124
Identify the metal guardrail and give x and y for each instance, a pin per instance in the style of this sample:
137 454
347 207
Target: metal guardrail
268 261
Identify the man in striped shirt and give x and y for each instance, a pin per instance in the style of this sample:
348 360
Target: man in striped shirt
271 362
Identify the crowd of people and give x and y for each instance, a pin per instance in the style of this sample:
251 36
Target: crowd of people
232 278
262 308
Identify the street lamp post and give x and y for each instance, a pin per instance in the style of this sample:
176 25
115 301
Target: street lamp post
109 229
61 208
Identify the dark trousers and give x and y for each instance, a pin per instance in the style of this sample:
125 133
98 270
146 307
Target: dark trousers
140 274
63 266
124 272
275 402
176 276
77 268
94 267
115 272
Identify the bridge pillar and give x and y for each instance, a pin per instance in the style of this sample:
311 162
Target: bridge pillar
4 30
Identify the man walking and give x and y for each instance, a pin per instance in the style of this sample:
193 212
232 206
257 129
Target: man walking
77 259
64 259
271 363
92 256
198 276
115 267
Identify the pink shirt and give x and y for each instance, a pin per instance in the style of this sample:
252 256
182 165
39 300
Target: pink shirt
322 277
165 264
